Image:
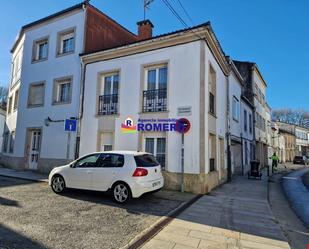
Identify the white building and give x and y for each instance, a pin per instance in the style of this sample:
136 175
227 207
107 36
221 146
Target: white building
45 83
2 125
255 92
241 123
302 143
165 77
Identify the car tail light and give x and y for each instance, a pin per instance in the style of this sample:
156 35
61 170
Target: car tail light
140 172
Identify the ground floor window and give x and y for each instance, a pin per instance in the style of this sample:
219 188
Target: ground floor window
107 139
212 152
156 146
12 140
5 142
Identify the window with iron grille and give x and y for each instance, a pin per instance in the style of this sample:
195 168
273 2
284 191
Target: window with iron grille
212 164
108 102
155 95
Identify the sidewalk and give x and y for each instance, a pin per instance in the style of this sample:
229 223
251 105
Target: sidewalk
236 215
23 174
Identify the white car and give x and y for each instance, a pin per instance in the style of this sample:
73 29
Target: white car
126 173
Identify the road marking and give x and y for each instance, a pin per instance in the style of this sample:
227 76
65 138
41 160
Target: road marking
290 178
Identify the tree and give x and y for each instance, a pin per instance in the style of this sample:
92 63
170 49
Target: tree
290 116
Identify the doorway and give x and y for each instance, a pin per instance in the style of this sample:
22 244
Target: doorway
34 145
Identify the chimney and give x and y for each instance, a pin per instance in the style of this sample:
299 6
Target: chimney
144 30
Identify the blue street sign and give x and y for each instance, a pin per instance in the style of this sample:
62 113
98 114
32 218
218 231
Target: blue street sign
70 125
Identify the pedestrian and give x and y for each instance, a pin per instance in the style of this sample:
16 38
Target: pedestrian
275 160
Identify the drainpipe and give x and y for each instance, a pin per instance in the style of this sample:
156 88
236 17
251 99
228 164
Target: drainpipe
81 107
228 133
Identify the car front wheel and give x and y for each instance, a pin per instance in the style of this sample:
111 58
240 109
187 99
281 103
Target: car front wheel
58 184
121 193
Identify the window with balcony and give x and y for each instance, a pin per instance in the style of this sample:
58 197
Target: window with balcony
62 93
212 87
156 146
155 95
66 42
40 50
108 101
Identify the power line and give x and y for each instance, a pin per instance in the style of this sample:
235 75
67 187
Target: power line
186 12
174 12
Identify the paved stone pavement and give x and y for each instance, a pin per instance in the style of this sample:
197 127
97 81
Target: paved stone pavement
236 215
23 174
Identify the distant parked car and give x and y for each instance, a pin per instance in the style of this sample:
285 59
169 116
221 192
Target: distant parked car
301 160
125 173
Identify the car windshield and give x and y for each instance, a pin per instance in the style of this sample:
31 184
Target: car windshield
146 160
298 157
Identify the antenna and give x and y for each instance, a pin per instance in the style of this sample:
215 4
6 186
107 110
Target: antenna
146 6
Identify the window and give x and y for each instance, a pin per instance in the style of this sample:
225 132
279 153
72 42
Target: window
245 121
106 141
63 90
40 50
212 152
235 109
212 85
111 161
5 141
146 161
12 140
108 101
250 123
87 161
66 42
36 95
246 153
16 99
156 146
155 95
10 105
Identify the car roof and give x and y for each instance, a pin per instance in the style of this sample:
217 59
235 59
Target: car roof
124 152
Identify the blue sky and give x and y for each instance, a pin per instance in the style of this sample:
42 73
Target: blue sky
274 34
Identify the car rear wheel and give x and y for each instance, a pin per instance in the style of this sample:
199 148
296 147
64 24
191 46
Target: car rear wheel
121 193
58 184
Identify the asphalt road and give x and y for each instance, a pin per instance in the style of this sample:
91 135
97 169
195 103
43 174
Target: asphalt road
32 216
306 180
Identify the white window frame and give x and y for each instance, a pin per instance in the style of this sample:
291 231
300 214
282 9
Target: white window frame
155 144
65 35
57 90
236 108
36 49
157 69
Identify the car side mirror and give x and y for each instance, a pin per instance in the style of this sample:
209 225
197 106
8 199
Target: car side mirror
72 165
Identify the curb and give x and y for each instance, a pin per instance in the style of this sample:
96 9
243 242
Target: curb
23 178
155 228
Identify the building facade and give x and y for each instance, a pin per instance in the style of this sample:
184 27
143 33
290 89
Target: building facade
45 84
255 91
168 77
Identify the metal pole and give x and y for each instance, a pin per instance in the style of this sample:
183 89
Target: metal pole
182 162
68 145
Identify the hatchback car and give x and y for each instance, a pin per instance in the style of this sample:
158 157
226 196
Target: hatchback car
125 173
301 160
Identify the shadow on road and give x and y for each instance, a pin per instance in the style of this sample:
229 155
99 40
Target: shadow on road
10 239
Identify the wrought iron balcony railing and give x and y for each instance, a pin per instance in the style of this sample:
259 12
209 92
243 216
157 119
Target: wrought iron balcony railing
155 100
108 104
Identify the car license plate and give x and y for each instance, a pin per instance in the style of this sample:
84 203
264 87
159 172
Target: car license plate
156 184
